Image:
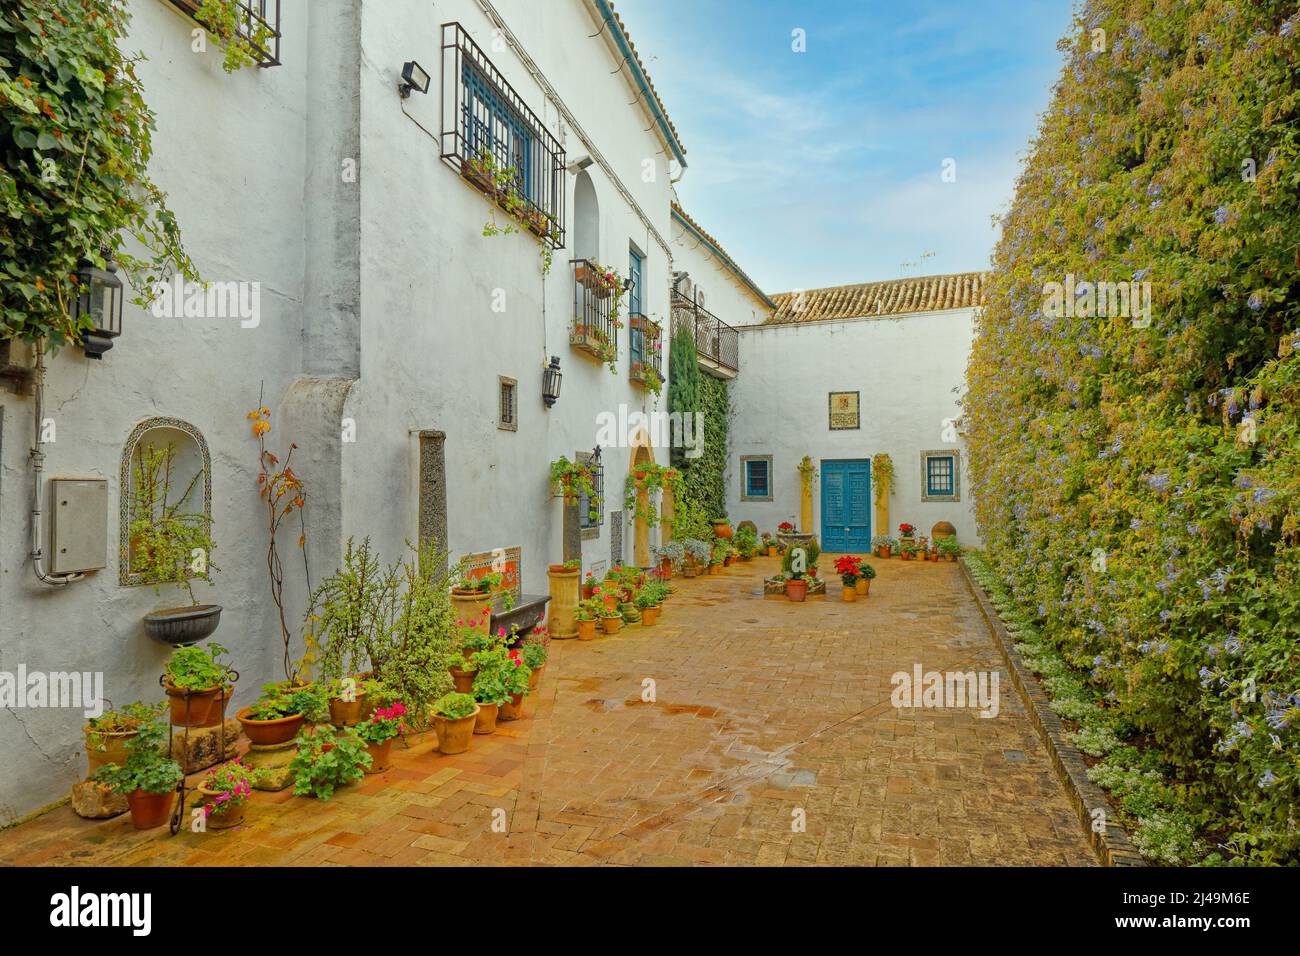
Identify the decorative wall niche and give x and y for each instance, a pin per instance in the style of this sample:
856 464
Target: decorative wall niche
159 446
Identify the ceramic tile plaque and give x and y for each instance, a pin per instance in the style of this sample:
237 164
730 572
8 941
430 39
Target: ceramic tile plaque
844 411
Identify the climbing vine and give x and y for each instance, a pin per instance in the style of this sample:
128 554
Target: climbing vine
75 141
1136 471
882 474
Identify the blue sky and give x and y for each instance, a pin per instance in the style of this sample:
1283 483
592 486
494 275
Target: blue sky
823 168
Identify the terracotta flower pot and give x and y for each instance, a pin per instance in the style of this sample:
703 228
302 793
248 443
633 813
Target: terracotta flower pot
193 713
114 751
468 606
462 679
649 615
454 735
883 552
715 568
722 529
512 709
796 589
666 568
690 571
535 678
729 560
381 756
587 630
863 586
771 552
348 713
149 810
222 819
849 593
611 625
267 732
485 720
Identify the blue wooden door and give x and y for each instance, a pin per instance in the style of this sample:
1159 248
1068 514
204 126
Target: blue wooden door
846 505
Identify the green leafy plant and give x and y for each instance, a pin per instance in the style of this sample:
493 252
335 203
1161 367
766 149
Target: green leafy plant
491 684
76 137
147 767
535 655
882 474
124 720
455 706
384 724
700 551
242 36
326 761
279 701
572 481
195 668
811 552
503 186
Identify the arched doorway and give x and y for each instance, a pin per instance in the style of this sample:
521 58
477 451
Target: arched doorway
586 219
642 454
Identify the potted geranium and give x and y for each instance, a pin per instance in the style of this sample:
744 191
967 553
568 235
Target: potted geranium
883 545
471 599
866 573
588 585
379 732
907 533
768 544
195 682
611 618
454 716
108 734
648 604
588 613
785 527
147 778
535 657
491 689
279 713
326 761
516 675
225 791
846 566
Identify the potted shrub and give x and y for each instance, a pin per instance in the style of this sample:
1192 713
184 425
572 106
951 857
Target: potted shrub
768 544
647 603
535 656
571 480
195 681
746 543
587 615
165 535
491 689
279 713
516 674
797 564
454 716
588 585
148 778
846 566
949 549
108 735
698 555
866 573
611 619
883 545
378 733
326 761
225 791
906 550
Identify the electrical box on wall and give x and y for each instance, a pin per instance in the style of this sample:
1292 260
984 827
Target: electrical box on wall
78 525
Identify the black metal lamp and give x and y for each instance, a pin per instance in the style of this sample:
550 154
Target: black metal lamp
100 298
551 378
414 78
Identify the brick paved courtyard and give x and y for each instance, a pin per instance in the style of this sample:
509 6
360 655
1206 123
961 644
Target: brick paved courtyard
764 711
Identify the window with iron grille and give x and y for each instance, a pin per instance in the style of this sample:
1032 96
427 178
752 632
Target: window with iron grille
508 414
591 515
940 477
259 26
756 477
499 145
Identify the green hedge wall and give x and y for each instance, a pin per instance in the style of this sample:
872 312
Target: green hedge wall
704 487
1116 486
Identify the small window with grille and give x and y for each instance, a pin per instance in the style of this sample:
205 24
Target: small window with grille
508 414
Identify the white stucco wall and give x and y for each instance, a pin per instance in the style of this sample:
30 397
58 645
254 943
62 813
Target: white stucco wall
909 371
725 295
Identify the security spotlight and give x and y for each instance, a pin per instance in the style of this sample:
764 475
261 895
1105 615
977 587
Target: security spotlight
413 78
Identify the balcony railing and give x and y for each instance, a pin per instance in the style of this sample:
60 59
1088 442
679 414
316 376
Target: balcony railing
499 145
595 322
259 26
716 343
645 339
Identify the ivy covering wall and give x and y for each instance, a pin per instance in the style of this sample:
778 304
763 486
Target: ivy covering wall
1137 484
704 487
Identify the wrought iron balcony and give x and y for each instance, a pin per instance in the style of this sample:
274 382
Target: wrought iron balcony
259 26
717 344
500 146
595 317
645 338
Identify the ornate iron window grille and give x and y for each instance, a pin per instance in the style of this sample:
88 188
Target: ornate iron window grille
646 347
595 326
488 132
256 17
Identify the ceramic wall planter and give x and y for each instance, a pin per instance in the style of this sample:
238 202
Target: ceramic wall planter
485 720
179 626
150 810
268 733
454 735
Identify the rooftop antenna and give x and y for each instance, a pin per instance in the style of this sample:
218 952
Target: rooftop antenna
904 266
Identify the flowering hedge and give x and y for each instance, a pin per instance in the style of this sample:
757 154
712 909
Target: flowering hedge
1137 482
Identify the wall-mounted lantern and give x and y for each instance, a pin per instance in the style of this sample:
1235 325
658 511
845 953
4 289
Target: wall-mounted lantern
414 78
551 378
99 297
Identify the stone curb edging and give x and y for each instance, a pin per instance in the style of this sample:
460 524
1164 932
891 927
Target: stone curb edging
1112 846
